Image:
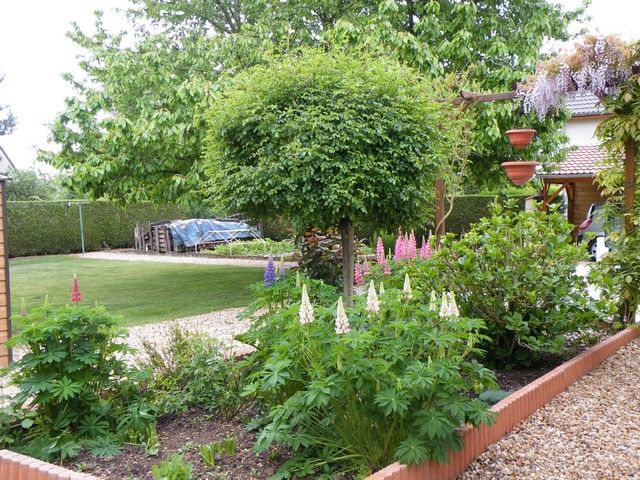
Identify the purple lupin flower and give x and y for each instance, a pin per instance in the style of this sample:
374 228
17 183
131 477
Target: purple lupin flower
270 273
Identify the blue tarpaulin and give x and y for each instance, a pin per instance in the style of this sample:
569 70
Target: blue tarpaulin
186 233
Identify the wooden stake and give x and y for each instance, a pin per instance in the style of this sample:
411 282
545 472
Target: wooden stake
439 226
348 261
629 185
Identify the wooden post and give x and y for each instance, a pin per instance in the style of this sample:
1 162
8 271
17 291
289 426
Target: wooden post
348 264
439 226
629 185
5 304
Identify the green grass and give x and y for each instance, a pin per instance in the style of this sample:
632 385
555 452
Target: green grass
140 292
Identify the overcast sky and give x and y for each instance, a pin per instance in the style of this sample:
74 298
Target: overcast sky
34 53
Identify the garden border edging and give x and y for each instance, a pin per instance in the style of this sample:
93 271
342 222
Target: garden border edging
509 412
14 466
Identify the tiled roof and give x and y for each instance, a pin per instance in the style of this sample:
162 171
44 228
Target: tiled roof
580 162
584 103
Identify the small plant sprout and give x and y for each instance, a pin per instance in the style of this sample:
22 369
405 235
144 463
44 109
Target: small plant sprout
208 454
298 283
76 295
381 288
373 304
444 306
229 445
306 309
270 273
342 322
433 302
406 289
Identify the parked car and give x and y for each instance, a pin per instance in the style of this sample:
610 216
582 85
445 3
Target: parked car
595 224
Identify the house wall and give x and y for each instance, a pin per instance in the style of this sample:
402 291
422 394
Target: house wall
582 130
585 194
5 322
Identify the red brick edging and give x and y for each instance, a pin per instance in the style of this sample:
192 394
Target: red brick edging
509 412
14 466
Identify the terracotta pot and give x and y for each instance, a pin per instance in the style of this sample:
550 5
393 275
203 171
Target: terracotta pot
520 138
520 172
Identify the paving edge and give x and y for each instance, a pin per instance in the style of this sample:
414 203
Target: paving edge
509 412
14 466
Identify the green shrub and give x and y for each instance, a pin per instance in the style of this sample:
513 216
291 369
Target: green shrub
44 228
517 271
469 209
77 388
190 370
173 468
395 387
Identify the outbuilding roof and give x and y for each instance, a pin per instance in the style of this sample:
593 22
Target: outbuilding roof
584 161
582 104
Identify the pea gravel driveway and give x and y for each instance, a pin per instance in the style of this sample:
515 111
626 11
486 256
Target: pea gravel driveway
589 432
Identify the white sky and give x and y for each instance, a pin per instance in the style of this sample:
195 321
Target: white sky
34 53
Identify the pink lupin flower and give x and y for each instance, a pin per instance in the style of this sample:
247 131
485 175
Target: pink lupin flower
423 248
412 247
366 268
379 252
399 252
428 252
76 295
387 268
358 276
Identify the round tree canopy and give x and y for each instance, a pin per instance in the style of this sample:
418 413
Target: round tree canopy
320 137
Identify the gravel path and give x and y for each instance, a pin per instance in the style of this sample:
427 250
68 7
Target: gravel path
589 432
186 259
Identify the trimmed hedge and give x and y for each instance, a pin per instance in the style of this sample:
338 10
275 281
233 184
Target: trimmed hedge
468 209
50 227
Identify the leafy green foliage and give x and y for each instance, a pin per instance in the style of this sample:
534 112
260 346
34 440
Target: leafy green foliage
392 388
256 247
211 451
75 389
494 396
517 271
105 223
320 137
190 370
34 185
172 468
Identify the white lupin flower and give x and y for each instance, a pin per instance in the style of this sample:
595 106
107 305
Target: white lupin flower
373 304
342 322
407 287
306 309
444 306
433 302
454 312
381 288
297 279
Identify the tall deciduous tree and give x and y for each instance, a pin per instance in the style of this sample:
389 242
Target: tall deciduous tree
330 139
133 130
7 120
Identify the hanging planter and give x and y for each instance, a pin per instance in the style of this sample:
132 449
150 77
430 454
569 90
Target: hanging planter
521 138
520 172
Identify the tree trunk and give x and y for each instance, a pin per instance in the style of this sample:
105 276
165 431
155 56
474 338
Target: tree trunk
346 239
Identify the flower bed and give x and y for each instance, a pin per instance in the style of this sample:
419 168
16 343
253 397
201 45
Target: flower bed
509 412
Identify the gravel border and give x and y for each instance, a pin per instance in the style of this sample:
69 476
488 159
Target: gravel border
129 256
589 432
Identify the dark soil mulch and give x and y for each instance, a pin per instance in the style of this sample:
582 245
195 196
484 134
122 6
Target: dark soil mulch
185 433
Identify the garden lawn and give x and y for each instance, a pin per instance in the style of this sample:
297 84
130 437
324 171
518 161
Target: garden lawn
139 292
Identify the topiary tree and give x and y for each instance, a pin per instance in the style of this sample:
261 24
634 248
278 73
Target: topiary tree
326 138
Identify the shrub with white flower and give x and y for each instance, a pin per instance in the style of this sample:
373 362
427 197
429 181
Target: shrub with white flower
342 322
373 304
444 306
406 289
454 312
306 309
433 302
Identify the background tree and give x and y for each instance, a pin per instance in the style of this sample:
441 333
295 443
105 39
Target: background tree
34 185
329 139
7 120
133 130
